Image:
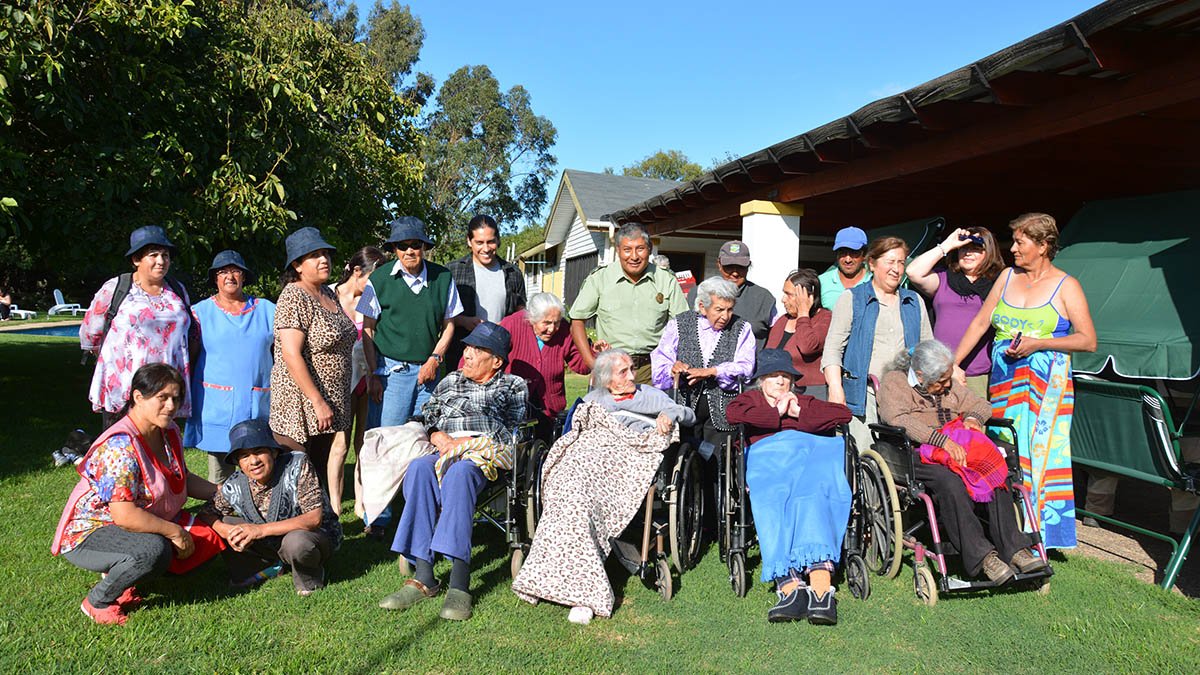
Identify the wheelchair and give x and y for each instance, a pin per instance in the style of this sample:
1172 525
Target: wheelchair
735 526
891 490
672 514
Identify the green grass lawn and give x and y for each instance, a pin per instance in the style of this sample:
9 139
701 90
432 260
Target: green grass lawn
1097 617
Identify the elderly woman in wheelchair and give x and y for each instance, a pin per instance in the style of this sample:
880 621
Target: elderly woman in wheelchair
799 494
958 463
471 418
593 481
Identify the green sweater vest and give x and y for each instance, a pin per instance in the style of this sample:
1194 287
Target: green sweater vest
409 324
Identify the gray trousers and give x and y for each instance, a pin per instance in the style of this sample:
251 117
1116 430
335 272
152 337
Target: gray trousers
305 551
125 557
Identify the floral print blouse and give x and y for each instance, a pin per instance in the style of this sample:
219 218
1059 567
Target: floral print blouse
147 329
113 472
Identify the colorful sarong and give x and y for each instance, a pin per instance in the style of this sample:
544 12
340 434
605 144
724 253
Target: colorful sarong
984 470
800 500
1038 395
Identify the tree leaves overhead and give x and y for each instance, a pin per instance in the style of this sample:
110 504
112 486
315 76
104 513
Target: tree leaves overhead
665 165
487 151
229 123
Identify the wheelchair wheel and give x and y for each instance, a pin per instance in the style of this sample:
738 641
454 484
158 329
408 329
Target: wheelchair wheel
517 559
685 509
858 578
737 574
662 580
926 585
883 531
533 487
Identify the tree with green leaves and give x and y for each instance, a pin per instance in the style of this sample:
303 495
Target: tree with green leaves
230 123
665 165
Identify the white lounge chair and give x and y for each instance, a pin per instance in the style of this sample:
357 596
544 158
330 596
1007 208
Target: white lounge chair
61 306
18 313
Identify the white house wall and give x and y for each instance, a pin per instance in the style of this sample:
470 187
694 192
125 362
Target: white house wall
582 242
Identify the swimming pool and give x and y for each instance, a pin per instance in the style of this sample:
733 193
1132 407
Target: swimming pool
69 330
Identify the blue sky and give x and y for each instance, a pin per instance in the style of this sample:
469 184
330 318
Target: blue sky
622 79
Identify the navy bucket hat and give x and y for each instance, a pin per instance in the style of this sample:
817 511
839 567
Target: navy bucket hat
149 235
252 433
492 337
775 361
225 259
408 228
304 241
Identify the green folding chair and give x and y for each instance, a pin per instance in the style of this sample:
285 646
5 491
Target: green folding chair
1126 429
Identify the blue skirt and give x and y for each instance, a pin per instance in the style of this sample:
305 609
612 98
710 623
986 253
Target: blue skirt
800 500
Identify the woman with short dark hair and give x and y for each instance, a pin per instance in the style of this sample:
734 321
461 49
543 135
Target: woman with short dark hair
120 520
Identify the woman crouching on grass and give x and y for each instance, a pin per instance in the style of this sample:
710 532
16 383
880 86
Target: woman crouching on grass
120 520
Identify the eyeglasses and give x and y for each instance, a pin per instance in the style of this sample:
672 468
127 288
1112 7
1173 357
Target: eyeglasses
410 244
230 272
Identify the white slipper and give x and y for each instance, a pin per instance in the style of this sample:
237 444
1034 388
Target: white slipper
580 615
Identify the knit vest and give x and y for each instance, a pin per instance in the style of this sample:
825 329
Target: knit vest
690 353
857 359
410 323
284 502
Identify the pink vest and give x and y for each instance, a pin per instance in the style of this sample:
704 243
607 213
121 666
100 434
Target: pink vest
166 500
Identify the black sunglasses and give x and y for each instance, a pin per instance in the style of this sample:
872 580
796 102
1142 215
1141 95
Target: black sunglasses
411 243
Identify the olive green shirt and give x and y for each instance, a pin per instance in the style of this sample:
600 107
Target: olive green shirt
629 316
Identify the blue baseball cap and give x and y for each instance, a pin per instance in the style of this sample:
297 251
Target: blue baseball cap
249 434
407 228
227 258
149 235
304 241
850 237
492 337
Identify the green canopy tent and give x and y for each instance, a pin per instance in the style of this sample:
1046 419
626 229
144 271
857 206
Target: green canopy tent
1137 262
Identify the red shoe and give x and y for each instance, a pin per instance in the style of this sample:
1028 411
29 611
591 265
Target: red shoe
109 615
130 600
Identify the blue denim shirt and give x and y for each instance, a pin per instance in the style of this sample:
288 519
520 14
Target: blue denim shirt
857 359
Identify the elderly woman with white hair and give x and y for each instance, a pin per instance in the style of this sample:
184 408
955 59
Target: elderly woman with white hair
959 465
706 351
541 345
593 481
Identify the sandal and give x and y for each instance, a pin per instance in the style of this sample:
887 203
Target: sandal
409 594
111 615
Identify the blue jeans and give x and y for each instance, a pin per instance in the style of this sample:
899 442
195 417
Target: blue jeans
402 398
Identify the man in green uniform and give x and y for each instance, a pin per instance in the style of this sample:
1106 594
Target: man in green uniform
632 302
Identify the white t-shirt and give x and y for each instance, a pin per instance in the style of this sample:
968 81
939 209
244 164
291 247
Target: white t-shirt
489 289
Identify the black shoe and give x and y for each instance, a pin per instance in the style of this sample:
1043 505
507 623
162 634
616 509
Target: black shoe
791 607
822 611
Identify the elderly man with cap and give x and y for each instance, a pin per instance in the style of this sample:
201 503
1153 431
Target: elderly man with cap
849 268
137 318
755 304
631 302
232 377
272 512
471 420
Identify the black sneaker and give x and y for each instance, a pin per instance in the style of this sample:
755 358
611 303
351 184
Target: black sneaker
791 607
822 611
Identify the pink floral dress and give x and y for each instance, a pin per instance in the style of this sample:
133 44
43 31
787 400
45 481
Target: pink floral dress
147 329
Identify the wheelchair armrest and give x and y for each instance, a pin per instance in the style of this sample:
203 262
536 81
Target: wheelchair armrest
888 430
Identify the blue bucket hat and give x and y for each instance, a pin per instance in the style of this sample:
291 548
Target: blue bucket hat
490 336
252 433
229 257
304 241
852 238
149 235
775 361
407 228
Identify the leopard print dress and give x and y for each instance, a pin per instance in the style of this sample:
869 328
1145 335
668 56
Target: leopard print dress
594 480
329 340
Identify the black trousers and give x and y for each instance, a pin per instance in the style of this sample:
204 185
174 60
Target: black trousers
124 557
959 518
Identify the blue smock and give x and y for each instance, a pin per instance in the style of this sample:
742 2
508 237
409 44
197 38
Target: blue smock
232 378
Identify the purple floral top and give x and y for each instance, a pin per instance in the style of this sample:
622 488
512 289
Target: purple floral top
147 329
113 472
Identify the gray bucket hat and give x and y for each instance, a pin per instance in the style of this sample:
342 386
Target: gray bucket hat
304 241
230 257
408 228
